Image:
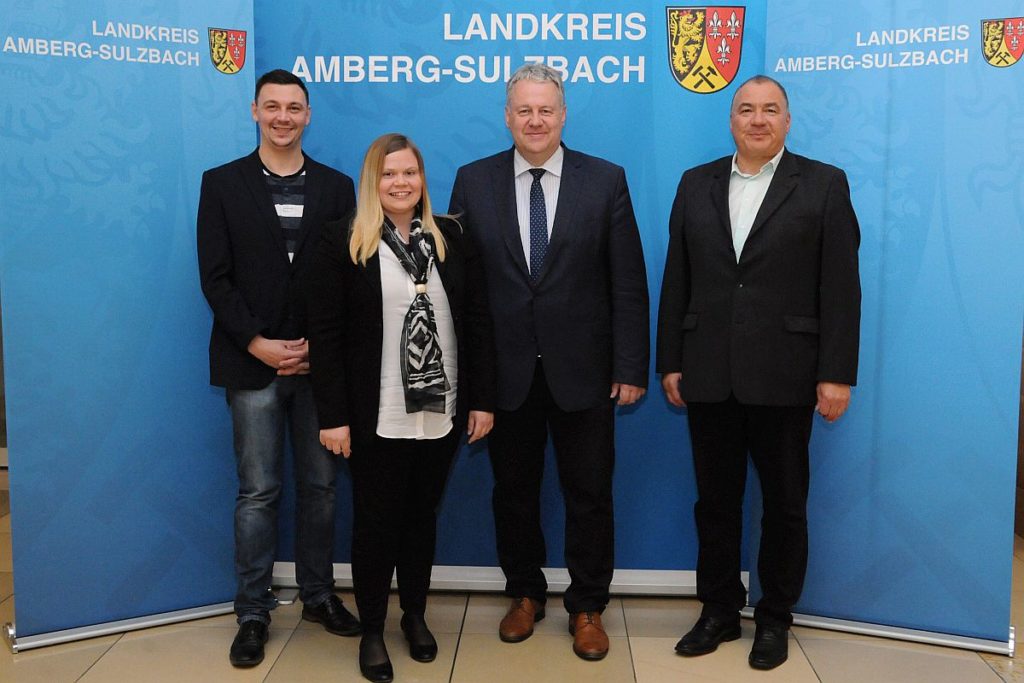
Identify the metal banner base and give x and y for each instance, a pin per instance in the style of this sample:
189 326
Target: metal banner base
19 644
897 633
490 579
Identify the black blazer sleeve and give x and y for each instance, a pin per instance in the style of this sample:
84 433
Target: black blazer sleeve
840 297
328 316
675 291
216 265
477 328
631 336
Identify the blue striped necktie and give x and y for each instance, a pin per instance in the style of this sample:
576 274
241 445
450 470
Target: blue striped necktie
538 224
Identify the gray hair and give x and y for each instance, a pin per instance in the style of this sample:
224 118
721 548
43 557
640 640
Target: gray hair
761 78
538 73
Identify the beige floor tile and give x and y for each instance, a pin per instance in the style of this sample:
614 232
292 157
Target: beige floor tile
539 659
5 552
6 585
660 617
65 662
445 612
655 660
318 656
181 652
1009 669
485 611
841 657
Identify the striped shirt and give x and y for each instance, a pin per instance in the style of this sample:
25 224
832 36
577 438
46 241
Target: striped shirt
288 194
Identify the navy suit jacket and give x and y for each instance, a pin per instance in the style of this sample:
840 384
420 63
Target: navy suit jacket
587 314
784 318
243 262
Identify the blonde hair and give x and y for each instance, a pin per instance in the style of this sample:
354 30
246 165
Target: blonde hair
366 226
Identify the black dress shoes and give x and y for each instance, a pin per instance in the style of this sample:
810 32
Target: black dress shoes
771 647
422 646
707 634
247 647
374 663
333 615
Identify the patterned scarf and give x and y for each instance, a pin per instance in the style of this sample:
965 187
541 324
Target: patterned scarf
422 368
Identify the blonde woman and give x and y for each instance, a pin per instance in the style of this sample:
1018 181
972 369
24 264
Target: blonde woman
402 362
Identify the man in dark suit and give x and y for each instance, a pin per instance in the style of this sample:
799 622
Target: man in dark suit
568 292
259 222
759 324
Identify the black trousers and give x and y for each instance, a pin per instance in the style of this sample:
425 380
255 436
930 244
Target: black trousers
777 438
396 487
585 453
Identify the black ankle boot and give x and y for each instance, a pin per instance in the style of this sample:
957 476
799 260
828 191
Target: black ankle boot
422 646
374 663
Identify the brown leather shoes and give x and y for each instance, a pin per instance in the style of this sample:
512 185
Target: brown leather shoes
517 625
589 639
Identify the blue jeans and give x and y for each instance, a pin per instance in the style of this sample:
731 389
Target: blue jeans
259 418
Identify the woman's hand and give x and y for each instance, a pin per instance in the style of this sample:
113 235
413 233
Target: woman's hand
338 440
480 423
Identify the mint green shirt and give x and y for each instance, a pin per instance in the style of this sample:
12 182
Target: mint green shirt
746 192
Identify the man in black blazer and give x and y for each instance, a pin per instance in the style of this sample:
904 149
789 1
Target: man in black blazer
759 324
260 219
568 292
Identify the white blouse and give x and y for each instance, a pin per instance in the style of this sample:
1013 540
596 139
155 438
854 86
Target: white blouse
397 290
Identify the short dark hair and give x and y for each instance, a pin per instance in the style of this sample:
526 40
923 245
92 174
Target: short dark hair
280 77
761 78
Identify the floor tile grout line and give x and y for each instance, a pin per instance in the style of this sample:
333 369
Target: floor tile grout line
291 635
992 668
629 641
806 657
97 660
458 641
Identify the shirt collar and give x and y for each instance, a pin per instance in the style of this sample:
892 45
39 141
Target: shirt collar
769 166
553 165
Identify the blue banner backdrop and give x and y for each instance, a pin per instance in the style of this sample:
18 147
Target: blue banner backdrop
122 476
912 503
121 466
624 104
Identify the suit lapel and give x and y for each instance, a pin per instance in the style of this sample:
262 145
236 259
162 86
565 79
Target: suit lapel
311 197
503 179
784 180
720 196
568 194
257 185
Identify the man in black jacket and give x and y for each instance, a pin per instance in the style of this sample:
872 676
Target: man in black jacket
759 324
260 219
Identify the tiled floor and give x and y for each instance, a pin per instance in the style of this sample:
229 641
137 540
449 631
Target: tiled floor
643 632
